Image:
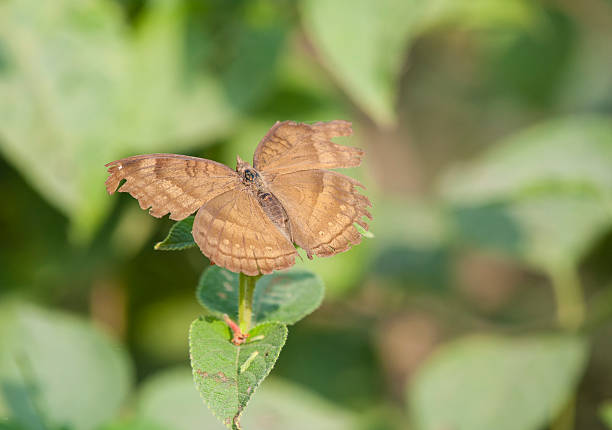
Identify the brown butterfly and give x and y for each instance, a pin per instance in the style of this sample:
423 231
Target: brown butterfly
248 219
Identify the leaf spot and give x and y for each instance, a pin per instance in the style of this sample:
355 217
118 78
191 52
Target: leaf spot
221 377
202 373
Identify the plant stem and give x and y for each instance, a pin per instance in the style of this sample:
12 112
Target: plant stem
569 297
245 301
571 312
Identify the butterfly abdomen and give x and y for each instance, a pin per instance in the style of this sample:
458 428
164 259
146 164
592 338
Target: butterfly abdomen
273 208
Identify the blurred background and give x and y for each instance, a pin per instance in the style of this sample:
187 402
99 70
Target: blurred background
484 301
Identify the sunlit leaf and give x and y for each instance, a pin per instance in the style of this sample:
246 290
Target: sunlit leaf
169 399
60 367
82 89
559 229
281 405
484 383
284 297
364 43
227 375
543 194
566 154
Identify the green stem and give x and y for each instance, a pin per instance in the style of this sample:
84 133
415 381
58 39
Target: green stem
571 312
245 301
571 308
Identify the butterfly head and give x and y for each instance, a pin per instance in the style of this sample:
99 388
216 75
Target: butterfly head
246 171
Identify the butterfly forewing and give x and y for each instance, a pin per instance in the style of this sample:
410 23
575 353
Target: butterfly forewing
290 147
177 184
233 231
323 207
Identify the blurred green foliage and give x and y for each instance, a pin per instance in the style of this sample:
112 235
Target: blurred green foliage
488 137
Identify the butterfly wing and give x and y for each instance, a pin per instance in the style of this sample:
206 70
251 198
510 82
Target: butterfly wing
170 183
290 146
233 231
323 207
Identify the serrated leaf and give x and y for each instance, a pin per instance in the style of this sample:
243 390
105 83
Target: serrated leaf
285 297
227 375
59 370
606 413
484 383
179 237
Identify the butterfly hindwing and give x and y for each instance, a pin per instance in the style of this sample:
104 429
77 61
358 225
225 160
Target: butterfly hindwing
233 231
323 207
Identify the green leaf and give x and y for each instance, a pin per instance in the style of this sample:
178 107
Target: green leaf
227 375
179 237
10 425
571 153
606 413
135 424
484 383
284 297
281 405
560 228
546 212
58 370
343 272
251 72
364 43
287 297
67 109
548 231
169 399
165 318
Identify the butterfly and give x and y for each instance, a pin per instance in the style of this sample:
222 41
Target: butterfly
249 218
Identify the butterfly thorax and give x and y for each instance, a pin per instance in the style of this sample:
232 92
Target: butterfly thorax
271 206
